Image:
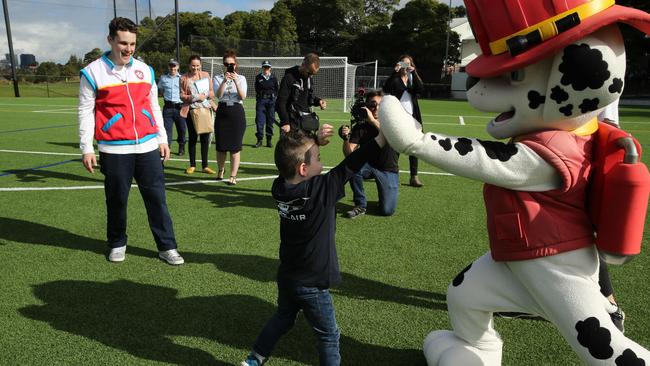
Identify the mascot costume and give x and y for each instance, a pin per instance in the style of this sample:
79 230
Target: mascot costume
548 67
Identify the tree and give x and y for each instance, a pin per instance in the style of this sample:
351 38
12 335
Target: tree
91 56
72 67
420 28
47 70
282 30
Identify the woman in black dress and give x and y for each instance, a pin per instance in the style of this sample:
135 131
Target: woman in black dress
230 120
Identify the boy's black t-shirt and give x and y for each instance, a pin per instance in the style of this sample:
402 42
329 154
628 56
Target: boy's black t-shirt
387 159
308 222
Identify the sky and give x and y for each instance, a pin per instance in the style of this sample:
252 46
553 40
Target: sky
52 30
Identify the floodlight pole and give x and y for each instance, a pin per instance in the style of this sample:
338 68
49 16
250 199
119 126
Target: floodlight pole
444 61
178 33
12 56
150 10
136 12
114 9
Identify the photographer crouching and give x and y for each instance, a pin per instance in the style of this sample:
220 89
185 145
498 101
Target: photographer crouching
383 168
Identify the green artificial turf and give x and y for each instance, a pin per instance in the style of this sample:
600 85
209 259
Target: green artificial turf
62 303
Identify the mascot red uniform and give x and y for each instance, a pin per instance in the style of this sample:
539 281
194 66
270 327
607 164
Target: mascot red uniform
548 67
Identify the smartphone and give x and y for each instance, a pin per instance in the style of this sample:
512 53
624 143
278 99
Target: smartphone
231 68
403 65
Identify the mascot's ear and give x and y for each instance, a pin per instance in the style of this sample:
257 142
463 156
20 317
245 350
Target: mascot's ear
586 76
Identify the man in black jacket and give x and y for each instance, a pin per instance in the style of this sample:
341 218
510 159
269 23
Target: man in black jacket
296 95
266 90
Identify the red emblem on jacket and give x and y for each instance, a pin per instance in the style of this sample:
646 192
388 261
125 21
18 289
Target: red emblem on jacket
139 74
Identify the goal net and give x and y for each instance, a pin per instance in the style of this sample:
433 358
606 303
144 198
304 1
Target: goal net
335 79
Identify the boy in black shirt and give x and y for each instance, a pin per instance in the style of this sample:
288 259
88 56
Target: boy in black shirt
308 260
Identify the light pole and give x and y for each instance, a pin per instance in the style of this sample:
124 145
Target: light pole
444 60
12 56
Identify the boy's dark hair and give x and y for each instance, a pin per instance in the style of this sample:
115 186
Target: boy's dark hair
290 152
121 24
311 58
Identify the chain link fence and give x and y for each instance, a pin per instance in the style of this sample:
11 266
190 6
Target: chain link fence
40 86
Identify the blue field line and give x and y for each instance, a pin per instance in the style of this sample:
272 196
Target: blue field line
16 171
39 128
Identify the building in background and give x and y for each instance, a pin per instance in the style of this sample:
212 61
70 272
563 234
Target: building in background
469 50
26 60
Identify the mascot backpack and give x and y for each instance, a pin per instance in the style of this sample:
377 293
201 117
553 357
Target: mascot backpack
618 194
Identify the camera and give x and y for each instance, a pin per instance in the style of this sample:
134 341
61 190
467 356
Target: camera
357 112
404 65
230 68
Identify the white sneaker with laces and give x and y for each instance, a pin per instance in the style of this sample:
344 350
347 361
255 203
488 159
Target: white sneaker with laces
117 254
171 256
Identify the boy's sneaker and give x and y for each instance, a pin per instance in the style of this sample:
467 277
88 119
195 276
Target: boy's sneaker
171 256
250 361
356 212
618 318
117 254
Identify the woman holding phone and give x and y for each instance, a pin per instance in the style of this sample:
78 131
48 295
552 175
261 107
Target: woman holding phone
406 85
230 120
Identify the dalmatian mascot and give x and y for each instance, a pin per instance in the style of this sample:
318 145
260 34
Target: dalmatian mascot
548 67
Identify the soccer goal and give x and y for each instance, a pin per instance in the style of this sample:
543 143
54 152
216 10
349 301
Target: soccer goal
336 79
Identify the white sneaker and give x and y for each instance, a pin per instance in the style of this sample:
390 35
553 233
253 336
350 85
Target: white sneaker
117 254
171 256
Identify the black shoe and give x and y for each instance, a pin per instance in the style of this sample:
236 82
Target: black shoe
415 181
618 318
356 212
181 150
258 144
268 142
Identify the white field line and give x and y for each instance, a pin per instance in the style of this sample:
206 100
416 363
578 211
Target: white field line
71 110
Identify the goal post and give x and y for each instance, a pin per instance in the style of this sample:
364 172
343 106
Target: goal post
336 78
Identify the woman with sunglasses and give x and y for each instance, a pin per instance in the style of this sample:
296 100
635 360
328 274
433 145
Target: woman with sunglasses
405 84
230 120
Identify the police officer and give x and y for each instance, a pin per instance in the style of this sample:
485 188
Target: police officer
266 90
169 86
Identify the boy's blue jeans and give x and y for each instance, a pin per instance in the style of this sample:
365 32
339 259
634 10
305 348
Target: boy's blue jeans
387 186
318 308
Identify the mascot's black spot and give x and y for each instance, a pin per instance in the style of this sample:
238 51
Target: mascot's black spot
567 110
583 67
559 95
617 86
463 146
535 99
628 358
461 276
499 150
433 137
445 143
595 338
589 105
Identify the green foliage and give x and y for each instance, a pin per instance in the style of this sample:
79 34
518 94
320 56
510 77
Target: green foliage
91 56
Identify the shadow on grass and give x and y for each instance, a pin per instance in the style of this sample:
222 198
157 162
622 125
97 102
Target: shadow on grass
253 267
30 175
65 144
264 269
143 320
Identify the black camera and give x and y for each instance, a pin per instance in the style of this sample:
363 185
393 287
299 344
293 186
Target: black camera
357 112
230 68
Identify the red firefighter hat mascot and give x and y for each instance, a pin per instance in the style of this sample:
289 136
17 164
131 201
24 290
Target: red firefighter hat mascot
548 67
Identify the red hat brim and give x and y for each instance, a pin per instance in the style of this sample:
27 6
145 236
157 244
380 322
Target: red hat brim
486 66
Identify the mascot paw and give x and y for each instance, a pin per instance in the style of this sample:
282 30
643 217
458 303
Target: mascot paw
443 348
400 128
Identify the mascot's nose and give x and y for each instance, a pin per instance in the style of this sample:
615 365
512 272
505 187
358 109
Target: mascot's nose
471 81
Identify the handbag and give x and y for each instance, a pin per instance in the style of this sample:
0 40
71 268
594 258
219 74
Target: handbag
203 120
